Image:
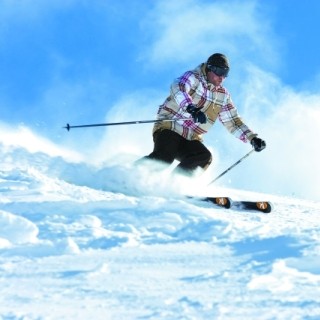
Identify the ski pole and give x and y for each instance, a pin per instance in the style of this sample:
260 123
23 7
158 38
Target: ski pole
68 126
235 164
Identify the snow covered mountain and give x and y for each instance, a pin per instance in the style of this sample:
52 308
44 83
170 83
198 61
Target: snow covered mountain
81 243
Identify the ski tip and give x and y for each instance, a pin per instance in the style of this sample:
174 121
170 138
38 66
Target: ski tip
264 206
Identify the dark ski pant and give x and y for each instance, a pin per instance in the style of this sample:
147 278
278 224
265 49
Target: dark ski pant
170 146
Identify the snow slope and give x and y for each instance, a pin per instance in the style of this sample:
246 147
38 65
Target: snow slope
81 243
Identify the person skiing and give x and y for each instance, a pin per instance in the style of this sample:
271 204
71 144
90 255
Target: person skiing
197 99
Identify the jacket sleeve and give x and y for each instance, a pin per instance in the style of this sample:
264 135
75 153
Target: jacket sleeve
181 88
232 121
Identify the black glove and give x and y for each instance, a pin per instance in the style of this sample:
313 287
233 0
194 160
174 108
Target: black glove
197 114
258 144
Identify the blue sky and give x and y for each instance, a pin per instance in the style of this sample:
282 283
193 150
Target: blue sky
112 48
93 61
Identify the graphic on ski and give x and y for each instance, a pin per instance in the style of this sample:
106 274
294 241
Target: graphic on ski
224 202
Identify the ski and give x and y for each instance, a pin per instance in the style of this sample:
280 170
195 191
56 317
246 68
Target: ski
262 206
226 202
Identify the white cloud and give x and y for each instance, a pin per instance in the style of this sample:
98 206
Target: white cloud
129 141
190 30
289 121
293 131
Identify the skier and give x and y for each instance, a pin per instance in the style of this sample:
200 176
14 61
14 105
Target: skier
198 98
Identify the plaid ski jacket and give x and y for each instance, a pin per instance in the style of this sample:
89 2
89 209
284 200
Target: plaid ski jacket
193 87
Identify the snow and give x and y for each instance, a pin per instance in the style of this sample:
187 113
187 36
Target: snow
82 242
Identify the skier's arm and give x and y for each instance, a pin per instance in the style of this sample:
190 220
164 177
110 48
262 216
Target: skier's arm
182 87
232 121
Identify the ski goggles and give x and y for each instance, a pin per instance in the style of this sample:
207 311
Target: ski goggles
219 71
